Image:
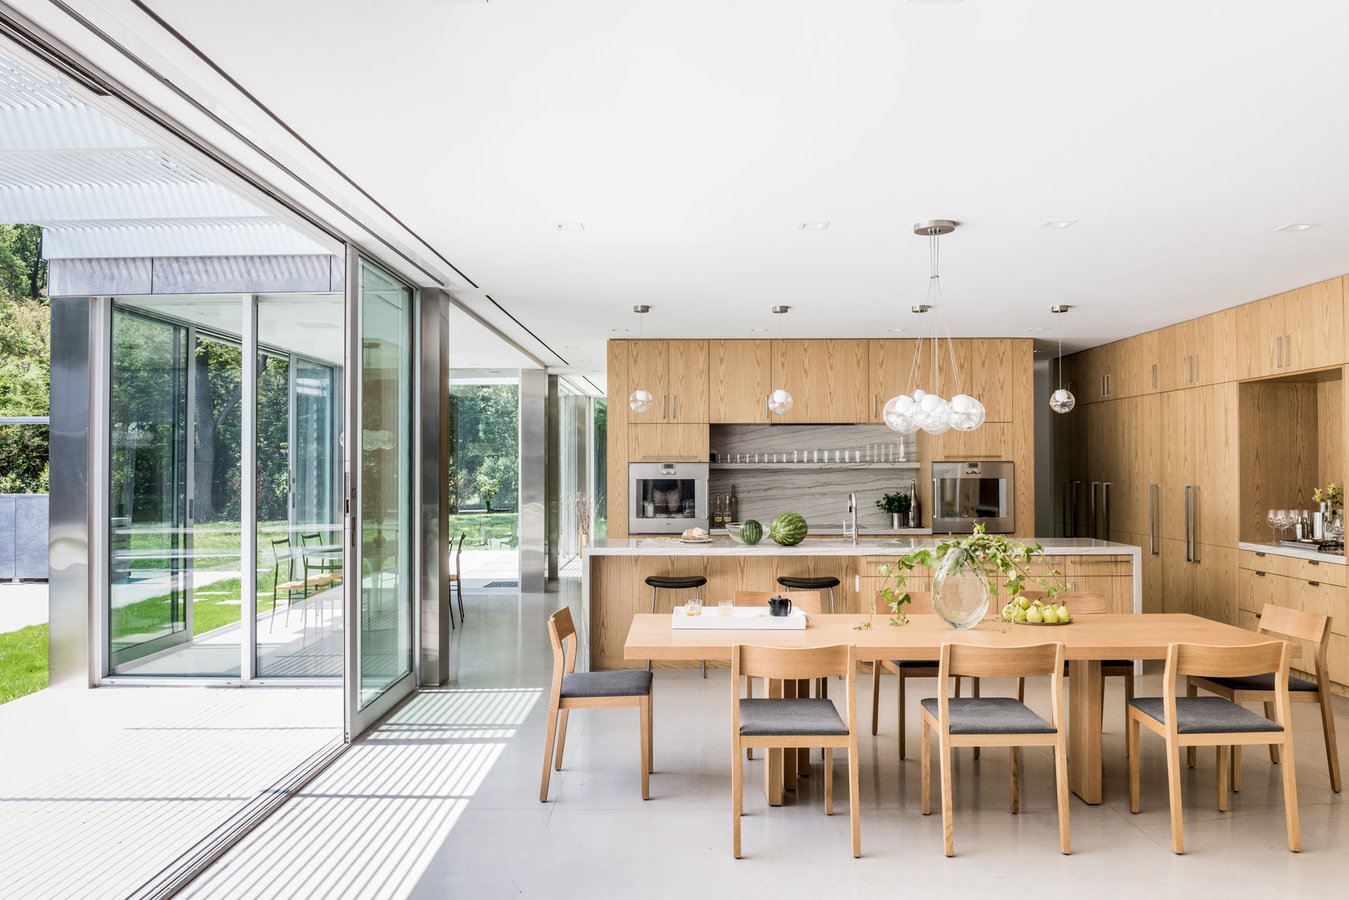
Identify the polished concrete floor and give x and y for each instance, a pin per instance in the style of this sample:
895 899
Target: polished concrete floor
443 802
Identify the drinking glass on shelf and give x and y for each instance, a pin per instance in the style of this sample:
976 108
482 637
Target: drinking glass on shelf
1273 519
1285 519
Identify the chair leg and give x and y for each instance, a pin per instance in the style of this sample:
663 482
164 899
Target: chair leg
749 695
974 692
902 679
459 591
644 705
1332 751
650 734
875 694
737 800
653 612
1128 695
947 826
561 738
854 798
1131 738
1014 782
1221 780
548 751
1173 789
1290 797
697 592
925 753
1061 785
1273 748
828 781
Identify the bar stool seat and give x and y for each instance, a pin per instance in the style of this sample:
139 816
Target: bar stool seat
675 583
678 582
807 583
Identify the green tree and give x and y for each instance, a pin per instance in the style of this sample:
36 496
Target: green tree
485 422
25 359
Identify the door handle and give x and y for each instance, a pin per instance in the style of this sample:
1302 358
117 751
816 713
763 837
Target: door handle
1152 519
1194 522
674 408
1189 555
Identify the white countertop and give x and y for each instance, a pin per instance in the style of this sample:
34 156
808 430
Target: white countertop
724 546
1295 552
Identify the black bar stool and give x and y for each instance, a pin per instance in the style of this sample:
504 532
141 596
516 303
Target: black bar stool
679 583
803 583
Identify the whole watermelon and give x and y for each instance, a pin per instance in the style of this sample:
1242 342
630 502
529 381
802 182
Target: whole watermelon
788 529
751 532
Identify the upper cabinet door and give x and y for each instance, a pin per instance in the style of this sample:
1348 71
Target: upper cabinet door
648 370
891 365
994 371
687 381
739 381
1314 319
827 379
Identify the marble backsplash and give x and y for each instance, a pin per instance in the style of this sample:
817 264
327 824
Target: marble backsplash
819 492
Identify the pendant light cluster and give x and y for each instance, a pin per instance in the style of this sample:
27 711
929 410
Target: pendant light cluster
927 410
779 401
1062 400
640 400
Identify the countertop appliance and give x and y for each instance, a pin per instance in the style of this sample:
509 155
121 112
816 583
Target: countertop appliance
666 497
965 494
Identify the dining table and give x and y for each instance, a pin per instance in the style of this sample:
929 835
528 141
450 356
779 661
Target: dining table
1087 641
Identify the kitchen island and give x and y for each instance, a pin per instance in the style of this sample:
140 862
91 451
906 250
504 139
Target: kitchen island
613 589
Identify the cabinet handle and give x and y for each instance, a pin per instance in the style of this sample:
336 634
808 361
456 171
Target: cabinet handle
873 406
1287 342
1189 553
1314 583
1278 352
1261 574
1152 519
1196 368
1313 562
674 411
663 398
1154 376
1259 553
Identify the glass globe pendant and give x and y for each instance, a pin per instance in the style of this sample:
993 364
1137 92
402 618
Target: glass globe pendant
898 414
641 401
1062 400
933 414
967 413
780 401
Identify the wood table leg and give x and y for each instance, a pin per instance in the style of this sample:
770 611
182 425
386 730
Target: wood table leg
1084 729
772 768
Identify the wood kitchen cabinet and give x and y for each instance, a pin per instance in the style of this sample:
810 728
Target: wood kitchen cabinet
667 443
828 380
740 379
1294 331
1198 352
890 364
1201 579
675 372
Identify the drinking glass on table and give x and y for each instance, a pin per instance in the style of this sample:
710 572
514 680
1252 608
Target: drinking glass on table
693 607
725 607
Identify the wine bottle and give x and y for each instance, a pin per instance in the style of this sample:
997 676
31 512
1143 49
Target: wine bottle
734 501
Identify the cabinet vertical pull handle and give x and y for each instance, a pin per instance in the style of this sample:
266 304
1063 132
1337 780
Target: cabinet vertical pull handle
1189 556
663 398
674 412
1154 376
873 406
1194 522
1152 519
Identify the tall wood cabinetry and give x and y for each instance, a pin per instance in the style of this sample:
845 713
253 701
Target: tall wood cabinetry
1180 439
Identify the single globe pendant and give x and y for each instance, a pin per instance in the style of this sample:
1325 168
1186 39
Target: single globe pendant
934 413
967 413
641 401
1062 401
780 402
898 414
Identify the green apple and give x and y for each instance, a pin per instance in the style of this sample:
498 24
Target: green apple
1034 616
1064 616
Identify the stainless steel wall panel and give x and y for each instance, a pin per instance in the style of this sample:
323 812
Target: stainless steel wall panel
533 495
433 508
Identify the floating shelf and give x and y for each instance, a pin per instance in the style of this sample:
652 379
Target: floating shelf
807 467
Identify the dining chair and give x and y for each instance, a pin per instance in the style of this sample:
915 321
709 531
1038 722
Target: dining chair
282 553
1215 722
455 580
786 722
1292 624
809 602
576 690
995 722
920 604
1093 603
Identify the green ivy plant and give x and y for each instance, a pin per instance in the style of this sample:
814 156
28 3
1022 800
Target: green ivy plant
1006 563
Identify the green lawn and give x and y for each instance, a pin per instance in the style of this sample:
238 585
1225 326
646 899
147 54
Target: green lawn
23 662
480 528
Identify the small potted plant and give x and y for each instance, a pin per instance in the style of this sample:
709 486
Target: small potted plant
897 505
967 572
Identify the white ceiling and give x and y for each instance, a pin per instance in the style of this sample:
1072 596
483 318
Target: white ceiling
693 138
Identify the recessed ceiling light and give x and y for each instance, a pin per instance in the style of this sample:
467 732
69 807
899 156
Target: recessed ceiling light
934 1
1298 226
570 226
618 331
1058 224
895 330
1036 330
814 226
758 331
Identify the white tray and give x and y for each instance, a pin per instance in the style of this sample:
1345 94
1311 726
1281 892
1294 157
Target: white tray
748 618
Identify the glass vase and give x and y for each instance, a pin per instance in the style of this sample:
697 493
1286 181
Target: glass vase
960 592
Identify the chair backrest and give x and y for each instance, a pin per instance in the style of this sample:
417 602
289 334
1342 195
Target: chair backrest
920 602
1001 662
459 552
809 602
560 627
281 550
794 663
311 540
1228 662
1294 623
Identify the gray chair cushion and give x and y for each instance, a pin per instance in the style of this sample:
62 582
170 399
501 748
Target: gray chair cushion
1206 715
1263 682
619 683
990 715
801 715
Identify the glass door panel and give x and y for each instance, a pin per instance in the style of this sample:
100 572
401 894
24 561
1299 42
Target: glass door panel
385 536
149 573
